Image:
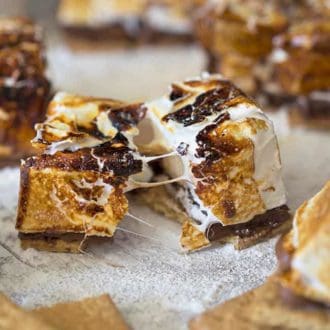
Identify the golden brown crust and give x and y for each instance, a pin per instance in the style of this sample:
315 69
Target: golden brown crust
226 28
12 317
231 196
88 314
308 244
54 200
259 309
191 238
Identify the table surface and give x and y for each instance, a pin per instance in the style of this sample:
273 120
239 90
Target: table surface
153 283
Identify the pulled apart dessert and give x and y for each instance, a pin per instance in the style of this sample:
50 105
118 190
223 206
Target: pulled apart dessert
121 19
303 253
227 168
215 147
75 187
24 89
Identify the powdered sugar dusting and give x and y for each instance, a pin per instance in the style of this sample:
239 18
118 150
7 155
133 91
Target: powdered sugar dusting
155 285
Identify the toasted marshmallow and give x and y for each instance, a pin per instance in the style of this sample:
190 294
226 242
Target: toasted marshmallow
309 243
227 148
75 122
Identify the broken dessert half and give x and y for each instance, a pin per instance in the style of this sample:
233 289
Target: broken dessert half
304 253
75 187
227 164
298 296
24 89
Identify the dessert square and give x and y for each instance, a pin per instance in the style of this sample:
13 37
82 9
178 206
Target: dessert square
107 22
24 89
75 188
228 178
90 313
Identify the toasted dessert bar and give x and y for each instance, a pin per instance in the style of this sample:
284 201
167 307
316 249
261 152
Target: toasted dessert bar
24 89
76 187
237 36
304 253
138 20
242 27
227 168
305 68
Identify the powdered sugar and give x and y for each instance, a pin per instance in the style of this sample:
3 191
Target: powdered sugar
153 283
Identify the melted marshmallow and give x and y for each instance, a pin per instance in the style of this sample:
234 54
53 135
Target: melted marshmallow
266 153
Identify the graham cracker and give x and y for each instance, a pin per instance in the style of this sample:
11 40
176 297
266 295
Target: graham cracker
13 318
161 201
88 314
261 309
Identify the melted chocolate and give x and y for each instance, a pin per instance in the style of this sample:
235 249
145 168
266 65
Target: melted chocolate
269 220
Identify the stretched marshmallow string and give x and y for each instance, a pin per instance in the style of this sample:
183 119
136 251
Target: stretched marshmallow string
151 158
136 184
137 234
139 219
